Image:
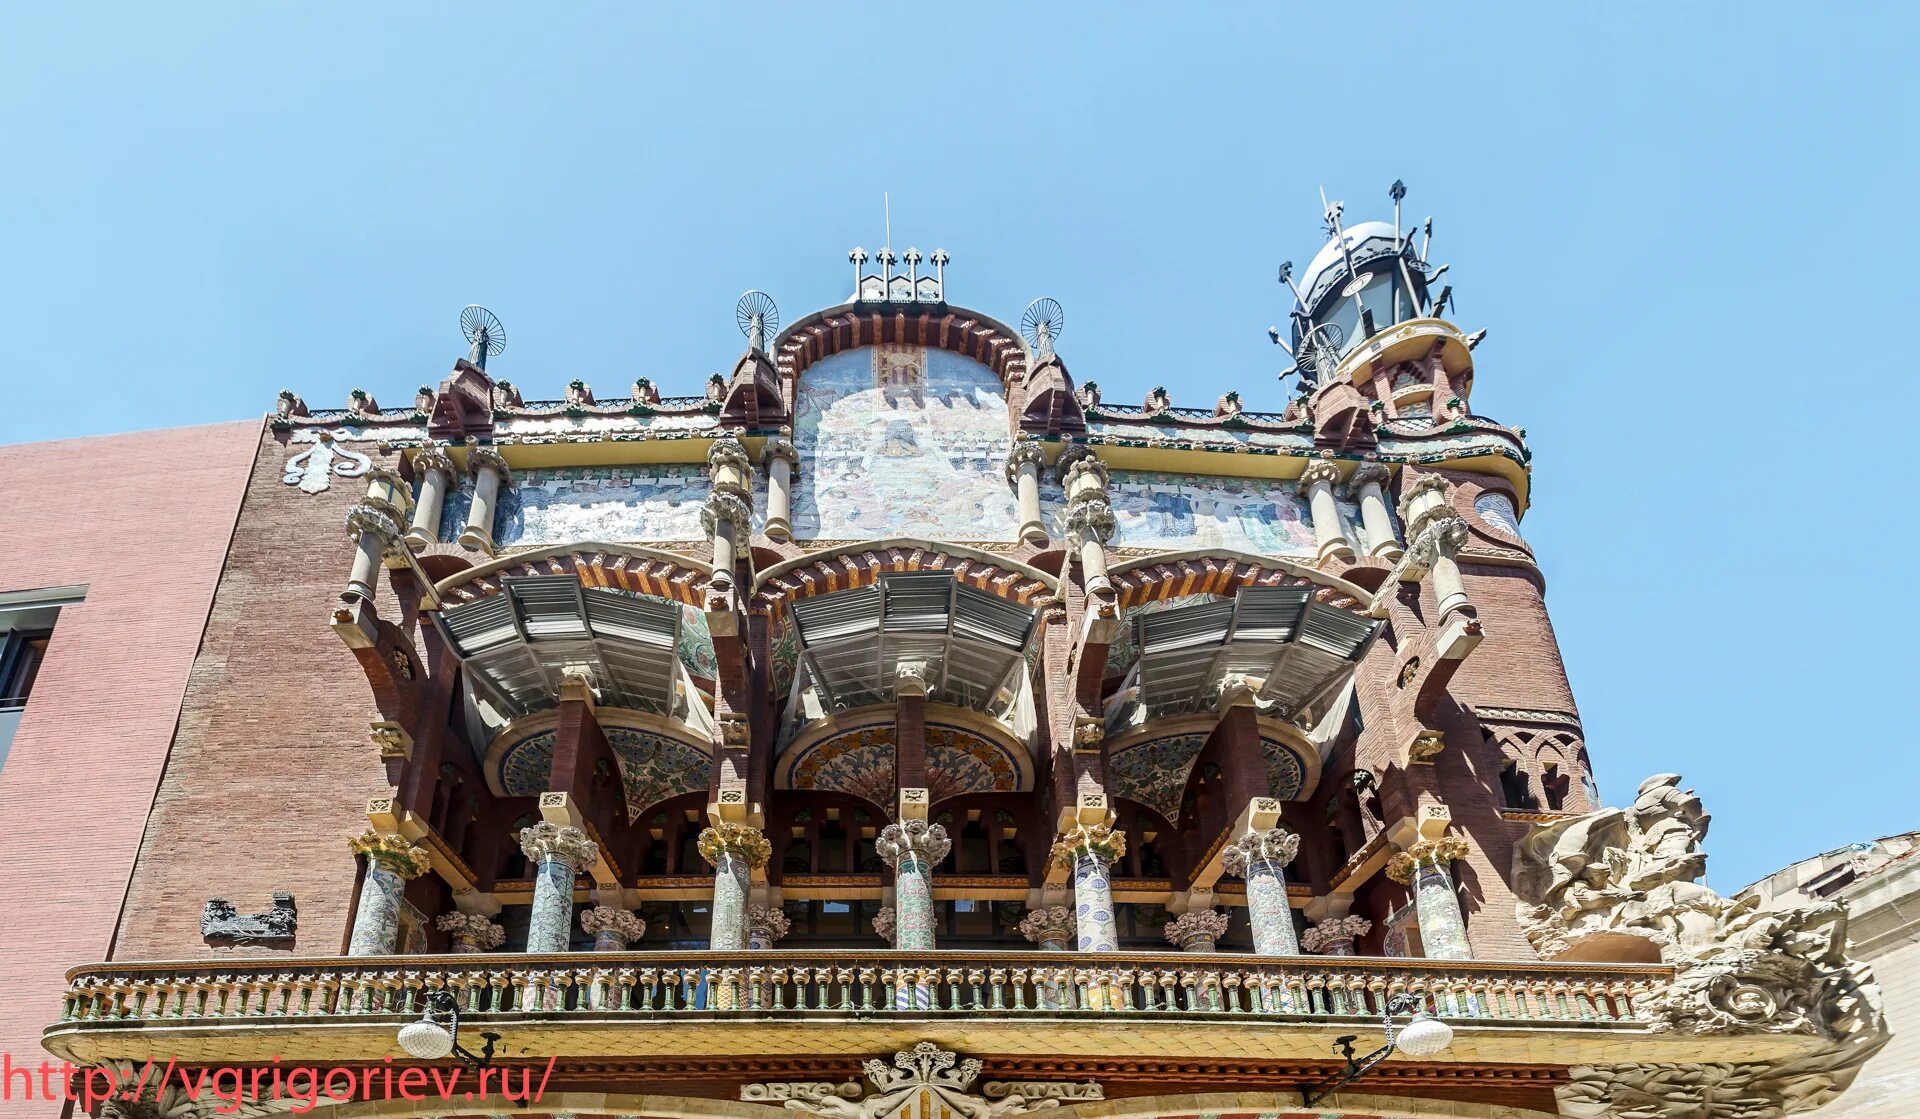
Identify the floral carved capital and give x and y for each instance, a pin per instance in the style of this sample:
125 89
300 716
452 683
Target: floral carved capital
916 839
392 853
626 925
1089 841
736 840
471 928
1053 923
1428 852
547 840
1273 845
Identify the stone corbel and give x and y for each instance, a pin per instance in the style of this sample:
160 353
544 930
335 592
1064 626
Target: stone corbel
386 817
562 811
1091 809
1261 814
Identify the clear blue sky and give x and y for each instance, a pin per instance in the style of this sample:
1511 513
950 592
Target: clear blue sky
1677 222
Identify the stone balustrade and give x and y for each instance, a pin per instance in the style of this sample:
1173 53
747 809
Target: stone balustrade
834 984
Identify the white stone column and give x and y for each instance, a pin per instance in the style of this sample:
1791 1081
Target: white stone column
391 861
1367 487
1090 523
1435 534
489 472
1425 866
436 478
1316 485
728 513
375 524
559 855
782 459
1023 474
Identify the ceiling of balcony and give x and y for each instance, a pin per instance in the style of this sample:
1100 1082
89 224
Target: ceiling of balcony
1291 649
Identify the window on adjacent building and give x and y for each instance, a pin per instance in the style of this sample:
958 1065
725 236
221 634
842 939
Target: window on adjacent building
27 621
20 657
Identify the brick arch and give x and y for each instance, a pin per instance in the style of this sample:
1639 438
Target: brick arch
1224 572
620 566
937 326
861 564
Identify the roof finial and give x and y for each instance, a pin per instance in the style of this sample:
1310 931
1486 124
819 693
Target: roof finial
1043 322
1396 192
484 332
757 317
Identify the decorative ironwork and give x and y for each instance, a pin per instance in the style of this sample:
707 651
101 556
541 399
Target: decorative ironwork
484 332
758 318
1041 325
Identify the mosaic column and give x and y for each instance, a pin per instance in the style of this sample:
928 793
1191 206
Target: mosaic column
765 924
1335 935
1090 522
436 477
782 460
1316 485
1435 534
375 525
391 861
1261 858
734 851
1367 487
471 932
559 855
1196 930
1443 928
489 472
614 930
1023 474
1049 928
1088 850
912 849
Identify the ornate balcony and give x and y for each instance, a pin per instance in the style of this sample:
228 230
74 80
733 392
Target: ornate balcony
794 1002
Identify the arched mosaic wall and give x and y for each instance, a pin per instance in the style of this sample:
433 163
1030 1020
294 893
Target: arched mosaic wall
653 767
1155 772
899 440
859 761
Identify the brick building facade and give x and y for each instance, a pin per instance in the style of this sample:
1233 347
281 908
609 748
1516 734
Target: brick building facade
897 695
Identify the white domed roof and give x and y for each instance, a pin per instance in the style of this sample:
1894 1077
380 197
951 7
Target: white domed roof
1330 255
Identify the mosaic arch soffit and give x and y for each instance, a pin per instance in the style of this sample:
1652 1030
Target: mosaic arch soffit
655 766
577 556
858 760
829 331
1154 771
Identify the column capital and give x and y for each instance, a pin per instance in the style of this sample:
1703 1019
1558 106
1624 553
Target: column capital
548 840
1024 454
883 923
738 840
1427 852
778 448
1085 474
1196 929
486 458
1364 475
473 929
1054 923
391 853
728 453
1333 931
1095 841
1091 518
1421 497
769 919
729 508
433 456
367 517
1269 845
626 925
928 842
1318 472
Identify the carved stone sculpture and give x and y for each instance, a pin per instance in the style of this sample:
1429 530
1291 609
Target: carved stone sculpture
919 1079
223 926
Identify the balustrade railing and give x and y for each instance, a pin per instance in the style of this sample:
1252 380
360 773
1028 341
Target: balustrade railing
825 984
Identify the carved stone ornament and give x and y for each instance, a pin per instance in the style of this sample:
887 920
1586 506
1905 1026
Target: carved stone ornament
1089 840
925 1082
548 840
1319 472
735 839
1621 884
1273 845
222 926
626 925
471 931
1364 475
1427 852
143 1098
1334 931
312 468
769 919
728 453
486 458
723 508
392 853
1024 454
1196 928
884 921
913 837
1091 518
1055 923
780 1092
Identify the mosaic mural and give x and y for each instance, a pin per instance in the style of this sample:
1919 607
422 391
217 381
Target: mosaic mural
1155 773
1497 510
613 503
901 441
860 762
1185 511
653 767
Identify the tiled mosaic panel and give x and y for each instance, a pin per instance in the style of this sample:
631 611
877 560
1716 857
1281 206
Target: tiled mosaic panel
1154 773
1185 511
860 762
611 503
901 441
653 767
1497 510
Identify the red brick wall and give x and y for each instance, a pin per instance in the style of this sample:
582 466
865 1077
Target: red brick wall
272 766
144 521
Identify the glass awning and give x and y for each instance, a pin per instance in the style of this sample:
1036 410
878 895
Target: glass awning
517 645
964 642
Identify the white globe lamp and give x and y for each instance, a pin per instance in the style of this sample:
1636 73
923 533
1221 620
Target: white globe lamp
1424 1036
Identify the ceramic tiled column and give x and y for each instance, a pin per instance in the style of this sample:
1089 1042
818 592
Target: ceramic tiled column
911 849
1023 474
1089 850
1424 865
471 932
559 855
435 470
391 860
1335 935
613 930
1316 485
1261 858
734 851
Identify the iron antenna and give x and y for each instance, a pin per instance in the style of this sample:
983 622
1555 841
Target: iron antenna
1427 245
757 317
1043 322
1396 192
486 337
1273 335
1286 277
